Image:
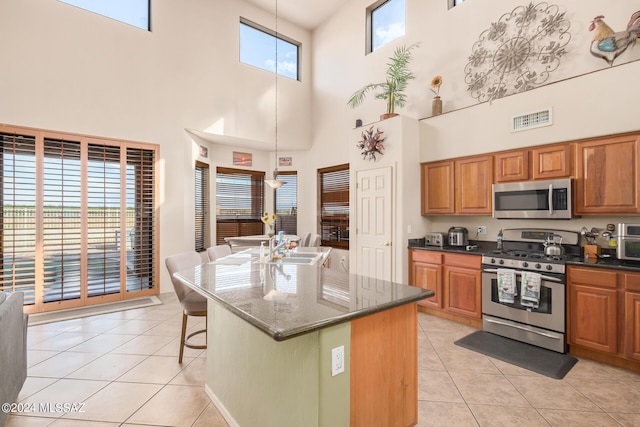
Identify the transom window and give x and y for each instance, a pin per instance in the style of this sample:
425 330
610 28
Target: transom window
385 23
132 12
258 48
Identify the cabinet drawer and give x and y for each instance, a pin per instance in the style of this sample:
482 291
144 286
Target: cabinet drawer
632 282
459 260
427 256
593 277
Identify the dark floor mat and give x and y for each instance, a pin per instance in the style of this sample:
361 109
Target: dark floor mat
536 359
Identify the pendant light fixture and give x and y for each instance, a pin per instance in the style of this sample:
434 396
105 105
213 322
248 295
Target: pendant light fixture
275 183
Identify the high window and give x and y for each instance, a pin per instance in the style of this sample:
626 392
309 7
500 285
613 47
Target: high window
239 203
202 206
334 206
132 12
79 223
258 48
453 3
385 23
286 200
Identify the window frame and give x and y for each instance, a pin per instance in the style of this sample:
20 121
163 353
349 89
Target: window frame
341 222
277 36
370 11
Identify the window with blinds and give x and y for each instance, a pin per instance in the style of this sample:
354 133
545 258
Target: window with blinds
18 220
201 206
239 203
286 202
334 206
78 218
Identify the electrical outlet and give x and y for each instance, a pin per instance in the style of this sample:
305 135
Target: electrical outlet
337 360
482 229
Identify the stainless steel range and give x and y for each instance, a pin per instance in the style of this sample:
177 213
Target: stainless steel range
523 289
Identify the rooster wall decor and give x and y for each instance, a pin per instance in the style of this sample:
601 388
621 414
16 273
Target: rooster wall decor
608 44
371 143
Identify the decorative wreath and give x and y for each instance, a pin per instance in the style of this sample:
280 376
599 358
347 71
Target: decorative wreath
371 143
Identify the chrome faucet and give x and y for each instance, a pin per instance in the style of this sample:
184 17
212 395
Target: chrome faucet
273 247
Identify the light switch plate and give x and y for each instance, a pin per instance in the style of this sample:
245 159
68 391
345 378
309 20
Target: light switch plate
337 360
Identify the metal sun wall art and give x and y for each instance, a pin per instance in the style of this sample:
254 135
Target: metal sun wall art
518 52
371 143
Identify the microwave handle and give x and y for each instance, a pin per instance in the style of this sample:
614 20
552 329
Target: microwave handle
550 199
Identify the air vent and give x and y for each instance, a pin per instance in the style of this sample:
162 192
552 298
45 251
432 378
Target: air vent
531 120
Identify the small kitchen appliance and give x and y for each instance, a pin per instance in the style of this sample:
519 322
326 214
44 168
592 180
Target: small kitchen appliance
628 242
434 238
458 236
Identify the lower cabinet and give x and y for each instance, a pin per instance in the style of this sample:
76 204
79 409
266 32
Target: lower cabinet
456 280
604 313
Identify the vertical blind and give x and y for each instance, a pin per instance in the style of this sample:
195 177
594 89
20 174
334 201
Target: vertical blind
65 236
286 201
201 206
334 206
239 203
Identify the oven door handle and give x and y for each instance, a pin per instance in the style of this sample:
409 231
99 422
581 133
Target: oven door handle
512 325
519 273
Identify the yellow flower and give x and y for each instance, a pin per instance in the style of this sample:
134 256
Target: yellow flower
268 219
436 82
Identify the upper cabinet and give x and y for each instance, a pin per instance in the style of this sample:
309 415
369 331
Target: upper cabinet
512 166
607 175
461 186
552 161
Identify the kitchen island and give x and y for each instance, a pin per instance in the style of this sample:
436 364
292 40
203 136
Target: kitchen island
272 332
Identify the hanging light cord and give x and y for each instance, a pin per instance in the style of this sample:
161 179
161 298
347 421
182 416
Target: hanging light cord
275 171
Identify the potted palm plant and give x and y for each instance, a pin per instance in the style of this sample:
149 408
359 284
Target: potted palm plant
392 89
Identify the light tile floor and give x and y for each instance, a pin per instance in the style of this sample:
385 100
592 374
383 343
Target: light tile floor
123 368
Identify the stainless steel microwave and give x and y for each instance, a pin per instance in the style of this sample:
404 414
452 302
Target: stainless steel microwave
628 241
548 199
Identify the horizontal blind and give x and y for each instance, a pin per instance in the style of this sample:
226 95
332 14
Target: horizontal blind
62 228
103 219
239 203
18 220
286 201
334 206
201 205
141 217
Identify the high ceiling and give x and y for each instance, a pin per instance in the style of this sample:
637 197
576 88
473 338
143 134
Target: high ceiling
305 13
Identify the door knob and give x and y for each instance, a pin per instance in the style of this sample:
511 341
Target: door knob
387 243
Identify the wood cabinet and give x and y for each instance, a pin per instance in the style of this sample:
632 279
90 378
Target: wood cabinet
473 179
552 161
425 271
456 280
604 314
511 166
461 186
437 190
463 285
607 175
593 320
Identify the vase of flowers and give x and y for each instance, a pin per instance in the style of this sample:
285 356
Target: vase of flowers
270 222
436 104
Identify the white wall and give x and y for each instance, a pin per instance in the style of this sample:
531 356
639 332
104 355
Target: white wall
71 70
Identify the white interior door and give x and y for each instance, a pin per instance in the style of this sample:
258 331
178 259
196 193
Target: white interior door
374 223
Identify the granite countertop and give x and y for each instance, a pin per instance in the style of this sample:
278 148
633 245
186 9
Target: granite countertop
484 247
287 300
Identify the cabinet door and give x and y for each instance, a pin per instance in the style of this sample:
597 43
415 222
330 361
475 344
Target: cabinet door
512 166
552 162
607 176
437 188
429 276
462 291
593 318
473 179
632 325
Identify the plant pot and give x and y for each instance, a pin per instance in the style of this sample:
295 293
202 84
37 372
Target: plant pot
436 106
387 116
